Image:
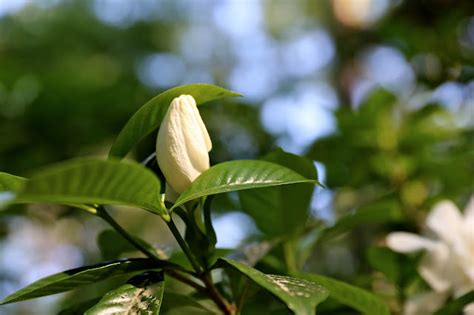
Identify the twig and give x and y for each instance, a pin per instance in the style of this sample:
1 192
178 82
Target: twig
184 246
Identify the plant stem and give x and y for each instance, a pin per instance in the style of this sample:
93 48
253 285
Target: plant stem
170 271
175 274
214 294
204 276
104 215
243 295
290 256
184 246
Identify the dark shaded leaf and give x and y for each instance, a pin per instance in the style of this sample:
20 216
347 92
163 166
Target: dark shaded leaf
71 279
283 209
379 212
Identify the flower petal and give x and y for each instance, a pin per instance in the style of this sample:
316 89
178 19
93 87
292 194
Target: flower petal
469 217
469 211
182 144
404 242
446 221
425 303
437 268
469 309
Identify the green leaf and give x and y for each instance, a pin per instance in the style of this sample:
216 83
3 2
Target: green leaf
71 279
397 267
239 175
360 299
456 306
9 182
379 212
299 295
9 186
94 181
80 307
143 294
149 116
177 304
269 206
112 245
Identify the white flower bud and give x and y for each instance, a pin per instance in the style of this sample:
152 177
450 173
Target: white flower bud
182 145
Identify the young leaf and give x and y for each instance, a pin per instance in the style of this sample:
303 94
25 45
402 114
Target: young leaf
149 116
93 181
361 300
269 206
300 296
71 279
239 175
143 294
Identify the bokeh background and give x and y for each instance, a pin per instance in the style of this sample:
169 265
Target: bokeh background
379 93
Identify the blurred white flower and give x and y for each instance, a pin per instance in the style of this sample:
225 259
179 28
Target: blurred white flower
182 145
448 263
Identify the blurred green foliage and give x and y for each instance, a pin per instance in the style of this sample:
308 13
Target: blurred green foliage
69 82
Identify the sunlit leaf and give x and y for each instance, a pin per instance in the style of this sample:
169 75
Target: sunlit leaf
360 299
71 279
299 295
239 175
9 186
143 294
148 118
9 182
94 181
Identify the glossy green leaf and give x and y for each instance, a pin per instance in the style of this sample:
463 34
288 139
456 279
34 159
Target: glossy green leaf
240 175
149 116
299 295
269 206
71 279
142 295
94 181
360 299
456 306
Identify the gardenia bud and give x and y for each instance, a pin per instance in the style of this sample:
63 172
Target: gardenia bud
182 145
